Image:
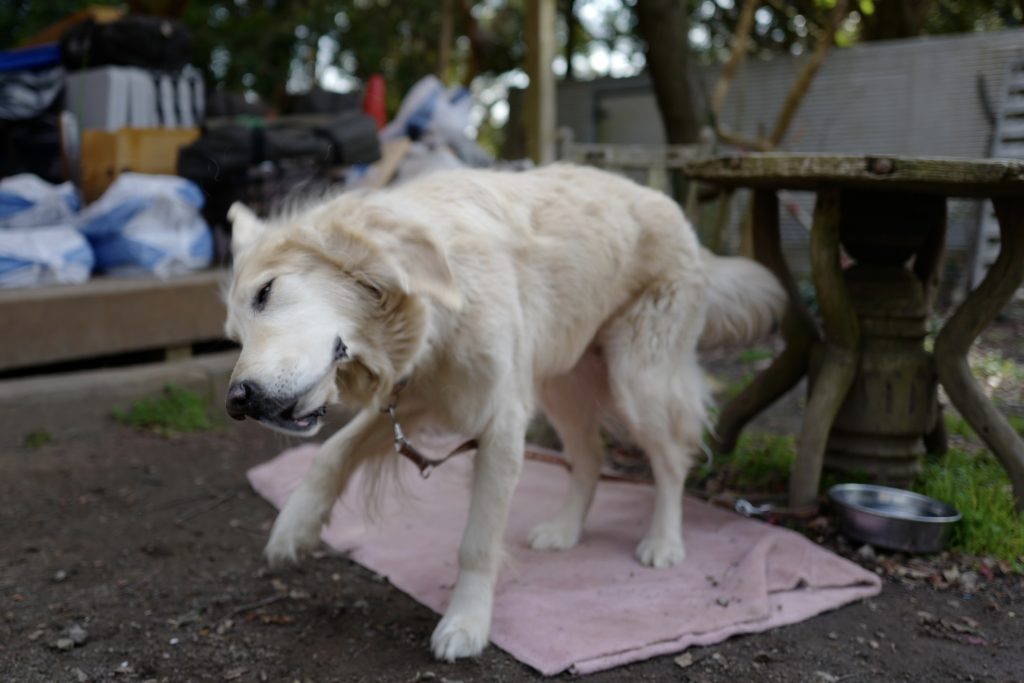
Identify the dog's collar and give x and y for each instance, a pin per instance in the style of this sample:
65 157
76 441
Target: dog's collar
403 447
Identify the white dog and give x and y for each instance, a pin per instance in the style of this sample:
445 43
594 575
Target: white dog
483 293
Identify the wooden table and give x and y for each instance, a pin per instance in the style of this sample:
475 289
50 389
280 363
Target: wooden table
873 384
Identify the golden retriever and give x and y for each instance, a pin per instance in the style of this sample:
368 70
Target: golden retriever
486 294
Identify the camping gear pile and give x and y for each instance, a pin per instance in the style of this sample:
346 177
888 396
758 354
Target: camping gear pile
143 225
110 101
89 98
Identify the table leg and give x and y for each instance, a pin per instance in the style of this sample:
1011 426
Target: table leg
928 268
797 328
842 350
929 258
955 339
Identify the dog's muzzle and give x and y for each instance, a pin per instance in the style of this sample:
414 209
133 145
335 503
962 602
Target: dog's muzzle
248 399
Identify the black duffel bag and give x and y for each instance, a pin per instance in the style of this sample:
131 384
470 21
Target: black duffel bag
153 43
343 140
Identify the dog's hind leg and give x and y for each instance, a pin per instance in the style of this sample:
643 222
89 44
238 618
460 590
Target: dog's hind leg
659 392
463 630
297 527
574 404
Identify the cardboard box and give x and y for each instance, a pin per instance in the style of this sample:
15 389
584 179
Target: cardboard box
142 150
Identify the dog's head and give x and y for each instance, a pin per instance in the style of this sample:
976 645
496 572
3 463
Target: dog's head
328 305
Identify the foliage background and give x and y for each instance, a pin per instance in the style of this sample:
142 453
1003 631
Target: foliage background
268 48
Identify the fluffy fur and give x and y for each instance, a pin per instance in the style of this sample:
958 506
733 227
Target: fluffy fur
567 287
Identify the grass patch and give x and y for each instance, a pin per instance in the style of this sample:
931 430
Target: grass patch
975 483
733 389
1017 422
760 463
993 367
956 425
37 439
755 355
174 411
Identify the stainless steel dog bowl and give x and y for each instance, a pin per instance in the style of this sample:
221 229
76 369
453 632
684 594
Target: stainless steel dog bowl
893 518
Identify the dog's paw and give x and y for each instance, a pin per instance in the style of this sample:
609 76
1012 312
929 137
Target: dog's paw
458 636
555 534
660 551
293 535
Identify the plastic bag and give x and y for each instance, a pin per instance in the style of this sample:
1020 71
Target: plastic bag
28 201
148 224
38 256
437 116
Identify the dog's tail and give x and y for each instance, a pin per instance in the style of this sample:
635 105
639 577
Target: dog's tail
745 301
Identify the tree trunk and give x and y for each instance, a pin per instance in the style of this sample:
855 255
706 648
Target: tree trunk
444 45
895 19
568 10
664 26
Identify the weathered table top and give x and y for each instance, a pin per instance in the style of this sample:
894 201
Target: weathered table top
985 178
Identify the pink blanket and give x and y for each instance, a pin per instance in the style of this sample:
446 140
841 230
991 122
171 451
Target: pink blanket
593 607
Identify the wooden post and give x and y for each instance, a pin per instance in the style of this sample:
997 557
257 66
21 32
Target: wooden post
540 95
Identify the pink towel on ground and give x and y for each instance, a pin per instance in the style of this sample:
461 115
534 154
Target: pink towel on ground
593 607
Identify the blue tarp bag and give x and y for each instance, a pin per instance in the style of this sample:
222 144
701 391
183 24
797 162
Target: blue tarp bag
148 224
28 201
31 257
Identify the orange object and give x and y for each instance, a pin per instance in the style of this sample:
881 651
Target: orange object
375 102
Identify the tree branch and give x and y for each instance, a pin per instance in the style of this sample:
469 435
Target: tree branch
739 52
803 81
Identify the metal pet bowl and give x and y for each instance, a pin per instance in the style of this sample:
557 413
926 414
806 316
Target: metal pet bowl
893 518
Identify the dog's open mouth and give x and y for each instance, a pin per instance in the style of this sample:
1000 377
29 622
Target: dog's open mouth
288 421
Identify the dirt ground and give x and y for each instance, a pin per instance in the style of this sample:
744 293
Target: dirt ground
129 556
146 551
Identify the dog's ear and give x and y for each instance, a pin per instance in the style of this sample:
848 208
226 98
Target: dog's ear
393 254
245 227
426 269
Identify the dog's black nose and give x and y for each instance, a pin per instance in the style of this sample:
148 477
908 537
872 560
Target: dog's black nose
240 395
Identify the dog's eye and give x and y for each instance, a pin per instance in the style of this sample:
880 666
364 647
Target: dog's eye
261 297
374 291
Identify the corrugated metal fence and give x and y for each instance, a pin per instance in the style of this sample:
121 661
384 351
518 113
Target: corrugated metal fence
924 96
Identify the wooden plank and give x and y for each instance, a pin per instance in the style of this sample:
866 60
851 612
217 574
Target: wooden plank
949 177
633 157
392 154
108 316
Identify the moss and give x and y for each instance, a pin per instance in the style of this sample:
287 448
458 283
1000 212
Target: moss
174 411
38 439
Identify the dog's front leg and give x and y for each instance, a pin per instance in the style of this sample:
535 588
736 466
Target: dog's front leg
297 528
467 622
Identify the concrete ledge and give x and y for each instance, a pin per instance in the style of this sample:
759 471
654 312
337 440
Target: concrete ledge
82 402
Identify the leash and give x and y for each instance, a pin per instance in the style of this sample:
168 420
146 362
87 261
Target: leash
403 447
426 465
